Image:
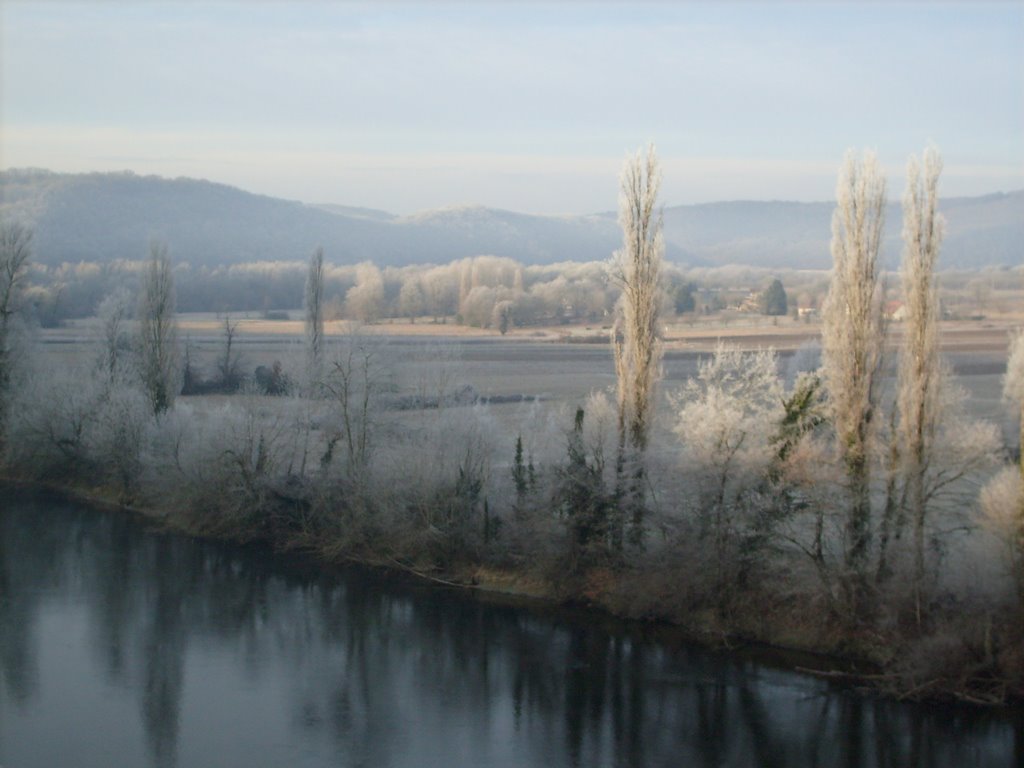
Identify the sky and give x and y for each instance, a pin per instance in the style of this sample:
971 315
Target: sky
527 106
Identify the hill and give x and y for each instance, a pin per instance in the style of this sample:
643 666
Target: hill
107 216
981 231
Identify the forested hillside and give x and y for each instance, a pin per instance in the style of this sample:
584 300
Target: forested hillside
110 216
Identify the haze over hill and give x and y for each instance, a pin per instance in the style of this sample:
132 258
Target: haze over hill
102 217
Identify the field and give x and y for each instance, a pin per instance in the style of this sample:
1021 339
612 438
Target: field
559 364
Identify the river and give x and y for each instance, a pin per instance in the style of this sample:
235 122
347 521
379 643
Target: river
121 646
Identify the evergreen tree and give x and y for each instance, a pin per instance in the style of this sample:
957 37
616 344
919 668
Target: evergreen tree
773 300
684 299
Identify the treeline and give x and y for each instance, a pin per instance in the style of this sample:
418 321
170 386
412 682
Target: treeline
483 291
834 512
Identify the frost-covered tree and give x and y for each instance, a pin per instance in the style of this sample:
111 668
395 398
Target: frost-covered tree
114 313
1002 508
314 316
411 299
636 340
118 433
919 370
78 420
440 289
53 419
15 252
158 332
224 468
1002 499
365 300
478 306
727 417
852 339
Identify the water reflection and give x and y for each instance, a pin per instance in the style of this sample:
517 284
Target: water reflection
188 653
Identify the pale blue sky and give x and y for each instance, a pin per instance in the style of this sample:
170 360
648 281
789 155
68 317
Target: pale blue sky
527 106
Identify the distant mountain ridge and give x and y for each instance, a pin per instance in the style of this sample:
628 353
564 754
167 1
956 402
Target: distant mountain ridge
981 231
106 216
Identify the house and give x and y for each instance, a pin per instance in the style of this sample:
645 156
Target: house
751 303
895 310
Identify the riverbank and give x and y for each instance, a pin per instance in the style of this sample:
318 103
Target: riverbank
864 659
173 650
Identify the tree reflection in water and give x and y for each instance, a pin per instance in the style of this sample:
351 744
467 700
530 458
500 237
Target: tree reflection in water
231 655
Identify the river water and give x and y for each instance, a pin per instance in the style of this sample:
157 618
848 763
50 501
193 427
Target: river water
124 647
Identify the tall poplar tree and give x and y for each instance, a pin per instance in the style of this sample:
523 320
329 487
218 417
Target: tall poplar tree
314 306
636 341
919 372
158 332
852 339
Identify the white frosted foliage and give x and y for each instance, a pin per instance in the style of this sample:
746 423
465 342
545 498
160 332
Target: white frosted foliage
853 336
636 268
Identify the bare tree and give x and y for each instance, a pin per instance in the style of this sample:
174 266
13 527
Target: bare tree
158 332
919 362
852 338
353 383
114 312
315 318
230 364
15 252
636 341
